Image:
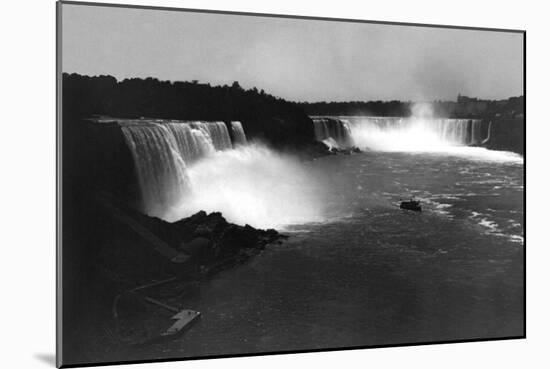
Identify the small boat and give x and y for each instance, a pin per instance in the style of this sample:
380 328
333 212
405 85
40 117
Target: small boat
412 204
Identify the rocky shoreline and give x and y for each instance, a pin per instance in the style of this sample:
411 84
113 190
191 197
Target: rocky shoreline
146 248
142 269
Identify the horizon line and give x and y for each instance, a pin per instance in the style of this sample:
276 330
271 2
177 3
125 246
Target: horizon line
198 82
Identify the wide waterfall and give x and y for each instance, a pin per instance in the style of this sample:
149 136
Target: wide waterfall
184 167
162 150
239 138
398 134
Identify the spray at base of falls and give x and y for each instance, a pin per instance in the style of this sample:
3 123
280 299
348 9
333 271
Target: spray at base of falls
184 167
252 185
397 134
417 134
414 134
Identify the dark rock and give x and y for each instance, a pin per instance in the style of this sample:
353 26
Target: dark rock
237 237
271 232
347 151
201 240
195 246
203 231
198 216
213 223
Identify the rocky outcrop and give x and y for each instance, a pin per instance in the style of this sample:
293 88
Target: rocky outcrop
211 239
117 260
345 151
208 242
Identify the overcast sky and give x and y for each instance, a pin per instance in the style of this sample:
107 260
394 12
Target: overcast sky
301 60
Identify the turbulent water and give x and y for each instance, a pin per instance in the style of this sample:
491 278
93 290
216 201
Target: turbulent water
398 134
184 167
357 270
253 185
373 274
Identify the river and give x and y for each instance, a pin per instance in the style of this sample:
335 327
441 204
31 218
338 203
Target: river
369 273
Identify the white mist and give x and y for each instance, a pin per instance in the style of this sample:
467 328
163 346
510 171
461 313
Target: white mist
252 185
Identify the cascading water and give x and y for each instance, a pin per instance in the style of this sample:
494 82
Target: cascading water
398 134
163 150
192 141
475 133
184 167
215 131
239 138
254 185
451 131
333 132
159 162
488 133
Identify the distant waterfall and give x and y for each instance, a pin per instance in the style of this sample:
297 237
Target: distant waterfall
162 150
397 133
454 131
488 133
334 132
239 138
476 136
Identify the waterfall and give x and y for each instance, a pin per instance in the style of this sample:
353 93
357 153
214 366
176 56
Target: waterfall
488 133
162 150
397 133
334 132
452 131
215 131
475 136
239 138
184 167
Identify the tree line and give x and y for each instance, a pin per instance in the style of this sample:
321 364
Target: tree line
275 120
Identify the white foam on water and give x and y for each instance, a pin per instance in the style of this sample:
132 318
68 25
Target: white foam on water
516 238
493 229
492 226
424 134
252 185
185 167
331 144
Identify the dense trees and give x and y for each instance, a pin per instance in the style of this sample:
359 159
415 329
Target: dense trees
278 122
378 108
464 108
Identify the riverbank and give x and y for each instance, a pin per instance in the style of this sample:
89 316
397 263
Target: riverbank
135 260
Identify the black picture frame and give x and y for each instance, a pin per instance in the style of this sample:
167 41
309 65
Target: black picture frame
59 182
